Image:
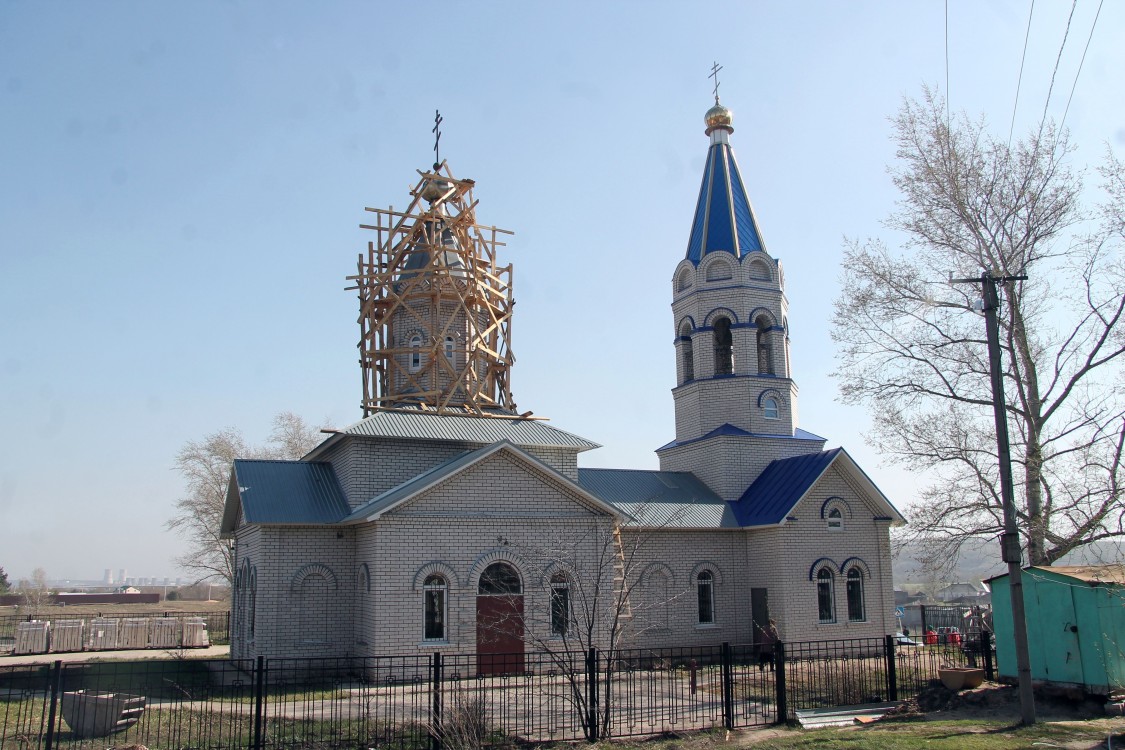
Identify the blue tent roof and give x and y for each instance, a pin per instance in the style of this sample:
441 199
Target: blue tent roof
724 219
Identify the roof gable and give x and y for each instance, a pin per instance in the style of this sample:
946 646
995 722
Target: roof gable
442 473
785 482
282 492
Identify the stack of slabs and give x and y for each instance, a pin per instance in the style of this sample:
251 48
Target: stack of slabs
165 633
102 634
66 635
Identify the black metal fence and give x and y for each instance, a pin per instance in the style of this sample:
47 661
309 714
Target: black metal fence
218 623
452 701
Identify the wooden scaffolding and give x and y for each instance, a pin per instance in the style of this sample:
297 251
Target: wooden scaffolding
435 308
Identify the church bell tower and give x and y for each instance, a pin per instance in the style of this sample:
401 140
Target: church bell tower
735 397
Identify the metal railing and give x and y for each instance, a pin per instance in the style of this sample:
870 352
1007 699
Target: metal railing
431 701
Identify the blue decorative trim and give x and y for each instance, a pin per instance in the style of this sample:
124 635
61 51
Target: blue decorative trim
858 562
836 499
820 564
768 392
686 319
763 311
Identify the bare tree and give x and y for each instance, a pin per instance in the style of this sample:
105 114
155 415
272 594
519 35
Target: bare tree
206 465
911 349
592 577
4 584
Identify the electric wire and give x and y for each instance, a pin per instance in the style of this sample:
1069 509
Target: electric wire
1080 64
1019 81
1051 88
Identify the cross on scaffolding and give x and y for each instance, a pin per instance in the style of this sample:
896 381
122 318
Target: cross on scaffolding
715 68
437 138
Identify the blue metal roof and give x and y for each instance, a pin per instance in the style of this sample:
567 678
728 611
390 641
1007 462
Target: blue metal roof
727 429
289 492
777 489
666 499
724 219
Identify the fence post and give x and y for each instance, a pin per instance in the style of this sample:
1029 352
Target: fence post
922 610
986 653
259 699
436 729
56 681
728 686
779 681
892 668
592 693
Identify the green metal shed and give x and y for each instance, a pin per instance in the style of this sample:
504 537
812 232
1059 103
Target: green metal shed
1075 625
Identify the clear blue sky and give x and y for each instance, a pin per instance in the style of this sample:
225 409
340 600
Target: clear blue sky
181 186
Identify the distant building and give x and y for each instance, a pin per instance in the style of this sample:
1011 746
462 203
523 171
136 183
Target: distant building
963 591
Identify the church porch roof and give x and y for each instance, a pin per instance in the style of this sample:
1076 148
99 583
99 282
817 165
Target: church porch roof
283 492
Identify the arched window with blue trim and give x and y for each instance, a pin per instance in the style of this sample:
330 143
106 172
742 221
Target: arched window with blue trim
826 595
856 605
687 353
765 350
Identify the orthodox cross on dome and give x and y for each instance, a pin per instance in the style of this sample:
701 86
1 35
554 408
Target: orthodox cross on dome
715 68
437 138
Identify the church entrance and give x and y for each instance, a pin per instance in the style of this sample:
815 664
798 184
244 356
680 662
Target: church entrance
499 621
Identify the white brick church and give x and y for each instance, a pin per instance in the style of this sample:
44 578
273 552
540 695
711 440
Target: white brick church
447 520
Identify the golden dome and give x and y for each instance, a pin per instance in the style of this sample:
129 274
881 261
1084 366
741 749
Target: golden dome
718 117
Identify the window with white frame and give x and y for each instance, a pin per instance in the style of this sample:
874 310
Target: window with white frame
449 350
769 408
856 610
835 519
433 593
826 596
705 597
560 605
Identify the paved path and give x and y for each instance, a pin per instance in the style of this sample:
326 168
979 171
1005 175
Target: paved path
212 652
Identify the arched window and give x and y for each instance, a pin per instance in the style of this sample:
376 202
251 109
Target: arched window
687 353
724 347
835 519
449 350
683 281
499 578
433 593
415 353
560 605
759 271
855 596
769 408
705 597
765 353
825 596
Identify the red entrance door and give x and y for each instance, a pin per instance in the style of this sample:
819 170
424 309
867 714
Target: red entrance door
500 634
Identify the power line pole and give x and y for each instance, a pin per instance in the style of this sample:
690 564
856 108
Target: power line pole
1010 539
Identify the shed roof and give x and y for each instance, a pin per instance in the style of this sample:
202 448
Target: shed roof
285 492
667 499
1092 574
